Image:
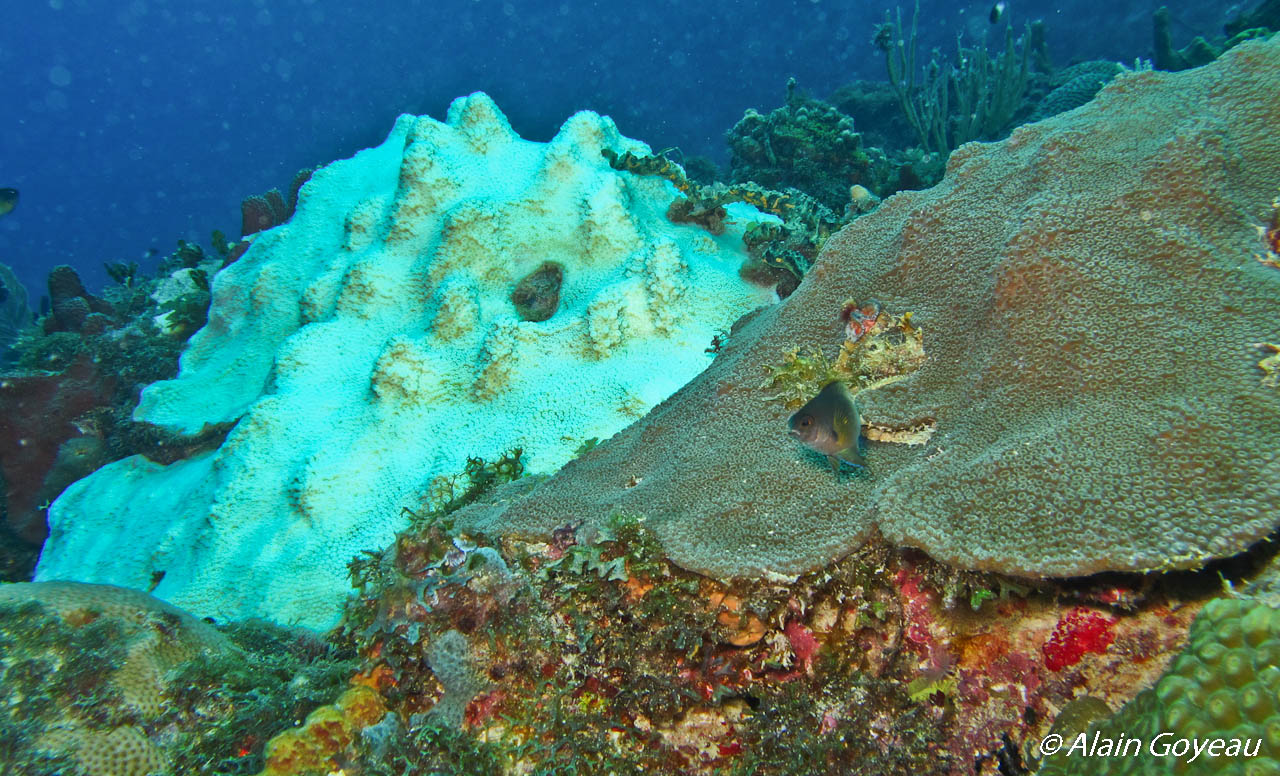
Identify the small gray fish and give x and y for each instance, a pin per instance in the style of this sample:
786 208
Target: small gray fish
997 11
8 201
832 425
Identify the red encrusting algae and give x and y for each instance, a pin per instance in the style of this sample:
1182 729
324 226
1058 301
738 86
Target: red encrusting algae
1079 632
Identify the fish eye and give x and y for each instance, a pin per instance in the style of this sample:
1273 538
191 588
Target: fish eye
806 421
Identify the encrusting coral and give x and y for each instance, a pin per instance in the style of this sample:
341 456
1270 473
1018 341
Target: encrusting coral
97 680
325 734
1090 308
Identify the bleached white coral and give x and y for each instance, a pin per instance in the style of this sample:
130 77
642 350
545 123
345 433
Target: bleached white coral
370 344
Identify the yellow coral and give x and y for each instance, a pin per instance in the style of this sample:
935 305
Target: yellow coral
326 732
1270 365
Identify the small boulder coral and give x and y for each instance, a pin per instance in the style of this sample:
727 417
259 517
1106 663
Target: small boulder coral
84 671
97 680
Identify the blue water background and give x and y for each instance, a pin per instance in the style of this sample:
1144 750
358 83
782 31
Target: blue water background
129 125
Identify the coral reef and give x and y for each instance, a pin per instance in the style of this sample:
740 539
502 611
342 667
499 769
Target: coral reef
1073 86
261 212
592 653
809 146
366 346
780 253
873 106
67 401
325 735
1264 14
894 164
1224 685
15 315
106 681
975 97
1246 26
450 660
806 144
1054 452
38 419
909 617
72 307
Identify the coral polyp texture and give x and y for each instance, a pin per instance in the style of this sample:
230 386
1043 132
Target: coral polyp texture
100 680
1225 685
108 644
1090 311
371 344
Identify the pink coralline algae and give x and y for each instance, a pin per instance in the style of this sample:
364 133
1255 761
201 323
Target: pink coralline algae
917 609
803 643
1078 633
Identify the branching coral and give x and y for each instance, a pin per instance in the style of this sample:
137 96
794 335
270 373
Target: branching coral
974 98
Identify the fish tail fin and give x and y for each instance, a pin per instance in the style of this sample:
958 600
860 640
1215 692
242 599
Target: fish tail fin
853 455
